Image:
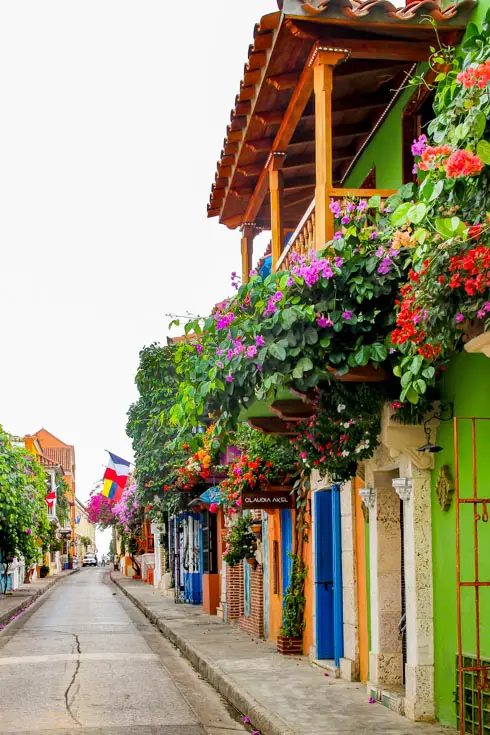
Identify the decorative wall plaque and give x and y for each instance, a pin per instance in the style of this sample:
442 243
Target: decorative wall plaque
444 488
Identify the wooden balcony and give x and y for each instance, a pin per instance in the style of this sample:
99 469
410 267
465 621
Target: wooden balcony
304 237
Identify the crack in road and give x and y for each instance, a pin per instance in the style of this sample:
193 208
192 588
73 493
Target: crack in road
72 682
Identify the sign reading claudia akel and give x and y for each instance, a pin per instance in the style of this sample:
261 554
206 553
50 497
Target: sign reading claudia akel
269 498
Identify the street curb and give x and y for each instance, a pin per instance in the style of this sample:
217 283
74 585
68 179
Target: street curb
6 617
262 718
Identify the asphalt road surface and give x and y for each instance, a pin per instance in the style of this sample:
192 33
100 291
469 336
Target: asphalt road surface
84 660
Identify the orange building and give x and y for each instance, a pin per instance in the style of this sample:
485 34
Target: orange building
64 455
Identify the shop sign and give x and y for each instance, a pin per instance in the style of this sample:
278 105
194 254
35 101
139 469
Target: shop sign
267 499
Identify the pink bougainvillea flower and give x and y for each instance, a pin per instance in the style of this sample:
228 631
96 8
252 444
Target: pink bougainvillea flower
246 720
259 368
213 508
220 364
259 341
229 378
252 351
419 145
28 531
347 314
322 321
459 318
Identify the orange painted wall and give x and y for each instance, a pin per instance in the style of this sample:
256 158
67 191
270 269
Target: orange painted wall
275 600
361 585
210 592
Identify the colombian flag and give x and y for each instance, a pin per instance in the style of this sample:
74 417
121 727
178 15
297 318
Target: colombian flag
115 477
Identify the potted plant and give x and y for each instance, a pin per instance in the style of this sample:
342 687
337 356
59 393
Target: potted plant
290 639
43 571
240 543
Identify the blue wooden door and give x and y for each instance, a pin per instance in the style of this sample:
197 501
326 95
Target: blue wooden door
286 549
324 574
338 612
328 575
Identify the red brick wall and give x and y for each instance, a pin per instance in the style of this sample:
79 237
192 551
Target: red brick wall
255 623
234 592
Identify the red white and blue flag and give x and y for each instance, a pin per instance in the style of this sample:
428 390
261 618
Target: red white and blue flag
115 477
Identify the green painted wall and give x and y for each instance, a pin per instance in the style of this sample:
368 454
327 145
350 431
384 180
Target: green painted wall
384 151
467 385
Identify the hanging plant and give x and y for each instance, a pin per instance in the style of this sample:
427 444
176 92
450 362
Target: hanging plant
343 429
332 311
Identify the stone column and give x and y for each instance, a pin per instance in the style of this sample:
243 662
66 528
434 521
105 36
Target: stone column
158 569
385 656
349 664
415 491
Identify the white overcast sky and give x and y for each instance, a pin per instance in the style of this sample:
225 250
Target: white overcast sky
112 118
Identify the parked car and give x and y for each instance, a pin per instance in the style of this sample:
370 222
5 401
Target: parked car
89 560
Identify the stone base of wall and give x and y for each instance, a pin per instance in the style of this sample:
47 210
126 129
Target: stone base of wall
420 695
349 669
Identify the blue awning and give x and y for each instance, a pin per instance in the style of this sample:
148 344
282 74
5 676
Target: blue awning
211 495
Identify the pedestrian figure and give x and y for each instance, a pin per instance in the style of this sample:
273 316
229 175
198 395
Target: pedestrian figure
103 561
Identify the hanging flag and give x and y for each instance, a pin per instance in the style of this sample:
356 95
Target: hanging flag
50 498
115 477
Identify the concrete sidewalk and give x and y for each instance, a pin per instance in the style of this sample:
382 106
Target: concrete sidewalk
13 604
280 695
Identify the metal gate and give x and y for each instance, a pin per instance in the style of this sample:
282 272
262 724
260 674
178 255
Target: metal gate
177 536
473 690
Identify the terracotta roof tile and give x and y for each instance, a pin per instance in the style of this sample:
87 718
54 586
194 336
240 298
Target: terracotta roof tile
61 455
355 9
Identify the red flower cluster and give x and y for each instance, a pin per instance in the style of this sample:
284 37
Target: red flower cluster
246 474
463 163
471 269
476 76
410 319
433 156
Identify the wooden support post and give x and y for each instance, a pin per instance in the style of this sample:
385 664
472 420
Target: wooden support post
248 234
324 62
276 186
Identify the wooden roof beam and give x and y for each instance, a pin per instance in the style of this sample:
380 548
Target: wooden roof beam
271 117
283 81
288 125
252 77
263 41
235 136
379 49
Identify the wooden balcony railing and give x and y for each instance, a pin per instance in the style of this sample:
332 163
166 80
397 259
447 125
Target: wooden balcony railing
301 241
303 238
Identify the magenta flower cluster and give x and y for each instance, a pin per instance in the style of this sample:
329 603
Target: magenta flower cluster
311 268
271 307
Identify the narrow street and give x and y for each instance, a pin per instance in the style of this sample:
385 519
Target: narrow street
85 660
